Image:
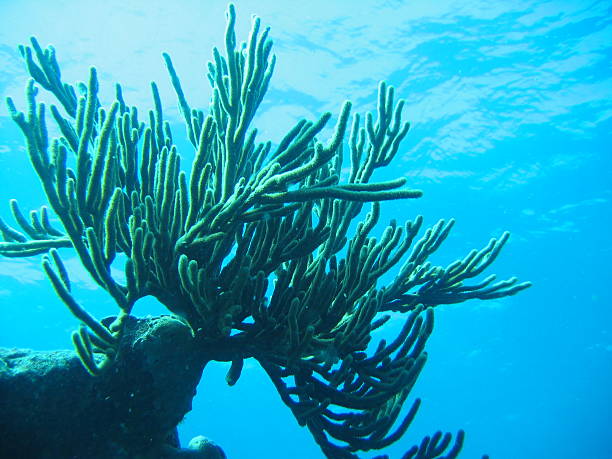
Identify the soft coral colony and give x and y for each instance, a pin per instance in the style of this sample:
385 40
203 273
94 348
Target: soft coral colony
251 247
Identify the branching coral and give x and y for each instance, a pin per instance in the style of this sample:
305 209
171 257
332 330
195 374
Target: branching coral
251 247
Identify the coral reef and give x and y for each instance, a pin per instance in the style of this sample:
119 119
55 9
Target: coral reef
52 408
251 247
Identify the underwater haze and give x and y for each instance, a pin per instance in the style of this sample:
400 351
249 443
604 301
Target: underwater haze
510 104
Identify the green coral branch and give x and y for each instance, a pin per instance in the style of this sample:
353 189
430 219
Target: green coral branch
421 283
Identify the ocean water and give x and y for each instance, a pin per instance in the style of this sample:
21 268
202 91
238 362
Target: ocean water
511 112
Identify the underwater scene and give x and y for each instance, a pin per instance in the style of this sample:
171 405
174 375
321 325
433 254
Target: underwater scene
272 229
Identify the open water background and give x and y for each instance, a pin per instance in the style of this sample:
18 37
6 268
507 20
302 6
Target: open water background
511 107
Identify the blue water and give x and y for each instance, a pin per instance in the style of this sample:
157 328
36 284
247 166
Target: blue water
511 108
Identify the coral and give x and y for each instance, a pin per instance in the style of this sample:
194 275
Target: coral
251 248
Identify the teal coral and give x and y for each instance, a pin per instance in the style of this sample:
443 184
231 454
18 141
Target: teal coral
252 248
